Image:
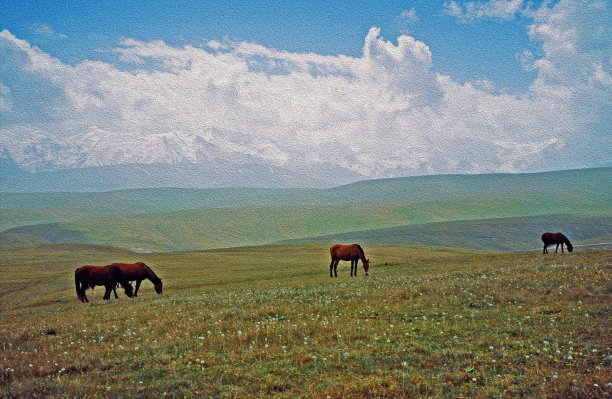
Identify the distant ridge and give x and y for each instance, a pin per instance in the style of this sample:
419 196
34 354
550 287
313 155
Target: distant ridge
506 234
134 176
171 219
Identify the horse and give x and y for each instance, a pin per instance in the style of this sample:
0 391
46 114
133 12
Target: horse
352 252
139 271
89 276
556 238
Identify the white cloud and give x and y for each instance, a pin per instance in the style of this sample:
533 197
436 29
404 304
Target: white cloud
385 113
406 19
46 30
502 9
409 15
5 103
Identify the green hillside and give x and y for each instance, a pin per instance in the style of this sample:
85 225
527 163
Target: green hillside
506 234
423 208
18 209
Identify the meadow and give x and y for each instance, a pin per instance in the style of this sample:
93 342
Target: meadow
269 321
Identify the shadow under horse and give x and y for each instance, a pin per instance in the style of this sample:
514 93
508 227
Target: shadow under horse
109 276
137 272
556 238
352 252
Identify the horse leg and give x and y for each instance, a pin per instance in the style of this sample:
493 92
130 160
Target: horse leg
107 293
556 248
561 247
115 291
137 286
78 290
336 267
356 263
331 268
82 293
83 289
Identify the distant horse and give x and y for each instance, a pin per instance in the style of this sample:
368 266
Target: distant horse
139 271
556 238
352 252
89 276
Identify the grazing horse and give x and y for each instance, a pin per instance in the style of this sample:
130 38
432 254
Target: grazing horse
89 276
556 238
139 271
352 252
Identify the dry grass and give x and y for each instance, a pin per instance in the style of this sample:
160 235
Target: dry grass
255 322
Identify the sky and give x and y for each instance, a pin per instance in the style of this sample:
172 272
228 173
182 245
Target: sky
381 89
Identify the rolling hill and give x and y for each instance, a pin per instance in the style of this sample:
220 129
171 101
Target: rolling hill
505 234
452 210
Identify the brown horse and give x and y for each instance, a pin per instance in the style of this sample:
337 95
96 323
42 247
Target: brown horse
556 238
352 252
139 271
89 276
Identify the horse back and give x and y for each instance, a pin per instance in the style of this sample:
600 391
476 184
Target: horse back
553 238
133 271
95 275
345 252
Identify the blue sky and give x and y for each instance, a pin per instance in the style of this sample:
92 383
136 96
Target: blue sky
379 89
77 30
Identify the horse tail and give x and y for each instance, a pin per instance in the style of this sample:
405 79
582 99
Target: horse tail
77 283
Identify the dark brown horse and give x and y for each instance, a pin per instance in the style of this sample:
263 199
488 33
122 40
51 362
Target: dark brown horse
556 238
89 276
139 271
352 252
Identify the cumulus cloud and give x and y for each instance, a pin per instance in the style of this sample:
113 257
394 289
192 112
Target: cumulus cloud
385 113
5 104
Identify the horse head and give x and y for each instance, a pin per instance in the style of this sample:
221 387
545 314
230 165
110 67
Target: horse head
366 266
158 287
127 287
121 279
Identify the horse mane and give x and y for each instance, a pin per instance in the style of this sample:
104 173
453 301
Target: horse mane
568 243
152 276
361 250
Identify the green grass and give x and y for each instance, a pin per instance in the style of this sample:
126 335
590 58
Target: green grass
150 220
505 234
228 227
262 321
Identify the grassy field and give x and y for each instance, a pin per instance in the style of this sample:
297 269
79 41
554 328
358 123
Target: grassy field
262 321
